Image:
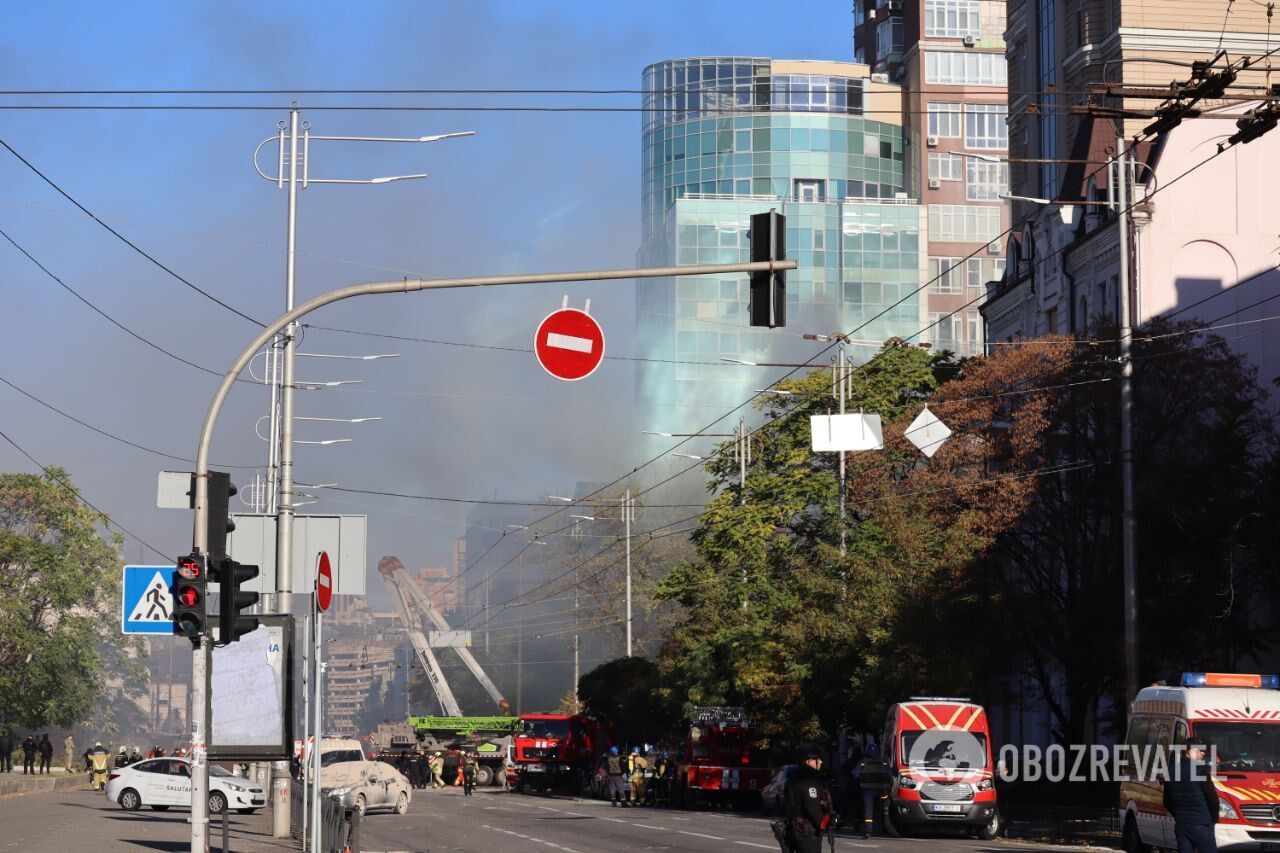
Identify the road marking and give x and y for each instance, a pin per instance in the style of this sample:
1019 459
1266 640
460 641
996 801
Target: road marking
569 342
700 835
614 819
647 826
753 844
550 844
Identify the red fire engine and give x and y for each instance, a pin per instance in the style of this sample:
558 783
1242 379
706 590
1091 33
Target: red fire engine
720 765
556 751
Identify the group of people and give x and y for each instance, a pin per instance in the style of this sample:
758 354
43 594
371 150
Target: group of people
638 778
35 753
426 770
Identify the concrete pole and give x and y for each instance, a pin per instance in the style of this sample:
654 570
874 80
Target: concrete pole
626 508
317 706
839 376
1128 524
201 664
306 723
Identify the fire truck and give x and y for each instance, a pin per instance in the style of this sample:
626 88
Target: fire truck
938 753
556 751
1238 716
720 764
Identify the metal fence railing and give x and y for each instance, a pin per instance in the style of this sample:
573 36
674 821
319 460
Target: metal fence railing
339 826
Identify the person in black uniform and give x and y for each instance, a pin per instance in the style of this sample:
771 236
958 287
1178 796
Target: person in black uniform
1189 796
29 749
7 745
808 803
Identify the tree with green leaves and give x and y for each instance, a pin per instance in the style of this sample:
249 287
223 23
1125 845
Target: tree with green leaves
60 641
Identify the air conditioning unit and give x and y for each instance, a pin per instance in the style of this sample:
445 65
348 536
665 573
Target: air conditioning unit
994 248
932 141
970 41
935 184
894 5
879 78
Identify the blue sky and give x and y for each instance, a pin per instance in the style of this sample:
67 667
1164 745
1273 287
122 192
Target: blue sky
530 192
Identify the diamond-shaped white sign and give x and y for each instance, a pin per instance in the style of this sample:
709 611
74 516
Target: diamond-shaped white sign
927 432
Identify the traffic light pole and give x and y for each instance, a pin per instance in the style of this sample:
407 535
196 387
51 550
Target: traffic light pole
200 531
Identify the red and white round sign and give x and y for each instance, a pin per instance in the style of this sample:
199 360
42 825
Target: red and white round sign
324 583
569 344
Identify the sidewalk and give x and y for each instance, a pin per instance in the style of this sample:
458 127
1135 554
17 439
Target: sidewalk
84 820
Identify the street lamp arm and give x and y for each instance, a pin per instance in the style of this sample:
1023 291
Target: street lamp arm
199 537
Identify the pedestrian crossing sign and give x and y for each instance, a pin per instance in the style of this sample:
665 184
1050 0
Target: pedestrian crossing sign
147 600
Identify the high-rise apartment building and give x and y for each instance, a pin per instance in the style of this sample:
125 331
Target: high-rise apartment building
727 137
949 57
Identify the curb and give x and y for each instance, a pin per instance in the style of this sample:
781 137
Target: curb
43 784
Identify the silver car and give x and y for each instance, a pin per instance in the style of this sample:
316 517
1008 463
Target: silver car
367 786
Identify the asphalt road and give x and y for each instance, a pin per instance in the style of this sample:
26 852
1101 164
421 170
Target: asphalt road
491 821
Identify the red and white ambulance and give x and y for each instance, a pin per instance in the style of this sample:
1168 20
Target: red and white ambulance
938 754
1238 715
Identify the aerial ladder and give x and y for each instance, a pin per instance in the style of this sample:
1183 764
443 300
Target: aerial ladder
412 605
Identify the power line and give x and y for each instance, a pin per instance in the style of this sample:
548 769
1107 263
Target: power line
76 494
123 238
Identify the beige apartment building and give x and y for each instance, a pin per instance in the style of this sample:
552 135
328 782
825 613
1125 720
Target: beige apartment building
949 58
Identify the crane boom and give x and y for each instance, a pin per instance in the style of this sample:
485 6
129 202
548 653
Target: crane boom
411 603
429 664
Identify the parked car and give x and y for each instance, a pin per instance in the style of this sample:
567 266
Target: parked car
163 782
365 785
771 795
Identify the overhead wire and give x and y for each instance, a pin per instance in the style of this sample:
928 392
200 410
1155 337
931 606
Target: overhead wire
107 519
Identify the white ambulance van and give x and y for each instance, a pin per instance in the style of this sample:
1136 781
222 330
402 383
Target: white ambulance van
1238 715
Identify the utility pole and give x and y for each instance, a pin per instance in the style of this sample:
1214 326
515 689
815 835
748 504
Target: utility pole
577 562
626 510
1128 523
744 459
840 374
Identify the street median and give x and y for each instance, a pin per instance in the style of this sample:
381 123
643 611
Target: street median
42 783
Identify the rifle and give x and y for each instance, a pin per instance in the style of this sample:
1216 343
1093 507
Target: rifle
779 828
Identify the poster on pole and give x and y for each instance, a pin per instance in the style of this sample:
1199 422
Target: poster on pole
251 695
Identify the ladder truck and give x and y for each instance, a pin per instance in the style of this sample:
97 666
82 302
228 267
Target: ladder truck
412 606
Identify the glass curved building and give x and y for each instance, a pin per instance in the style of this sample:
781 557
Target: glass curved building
726 137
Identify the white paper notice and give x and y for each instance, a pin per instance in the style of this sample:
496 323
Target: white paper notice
247 691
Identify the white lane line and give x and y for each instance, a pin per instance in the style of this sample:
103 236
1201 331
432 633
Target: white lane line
673 817
647 826
753 844
548 808
613 819
700 835
550 844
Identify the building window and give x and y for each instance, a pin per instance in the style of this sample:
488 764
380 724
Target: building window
809 190
951 18
946 167
889 38
987 181
986 126
945 275
984 270
963 223
957 68
945 120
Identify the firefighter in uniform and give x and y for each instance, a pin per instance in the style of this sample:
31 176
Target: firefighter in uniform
873 777
808 803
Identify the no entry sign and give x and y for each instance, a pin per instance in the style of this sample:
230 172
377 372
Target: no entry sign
569 344
324 583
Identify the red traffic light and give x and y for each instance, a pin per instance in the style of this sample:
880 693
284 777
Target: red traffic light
189 569
189 596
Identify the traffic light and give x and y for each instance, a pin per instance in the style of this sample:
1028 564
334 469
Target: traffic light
232 625
188 606
220 524
768 236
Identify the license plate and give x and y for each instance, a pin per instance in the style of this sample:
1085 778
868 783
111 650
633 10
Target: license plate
535 768
955 808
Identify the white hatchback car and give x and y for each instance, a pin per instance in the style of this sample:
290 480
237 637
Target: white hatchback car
164 782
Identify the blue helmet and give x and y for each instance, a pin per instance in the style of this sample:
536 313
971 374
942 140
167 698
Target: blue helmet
613 750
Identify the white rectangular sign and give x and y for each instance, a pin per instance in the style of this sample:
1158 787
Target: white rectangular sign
835 433
344 536
251 695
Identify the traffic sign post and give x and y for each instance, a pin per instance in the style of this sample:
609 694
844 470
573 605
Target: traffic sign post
323 597
146 605
569 344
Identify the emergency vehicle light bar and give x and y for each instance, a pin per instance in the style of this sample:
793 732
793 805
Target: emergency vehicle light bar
1230 679
940 699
